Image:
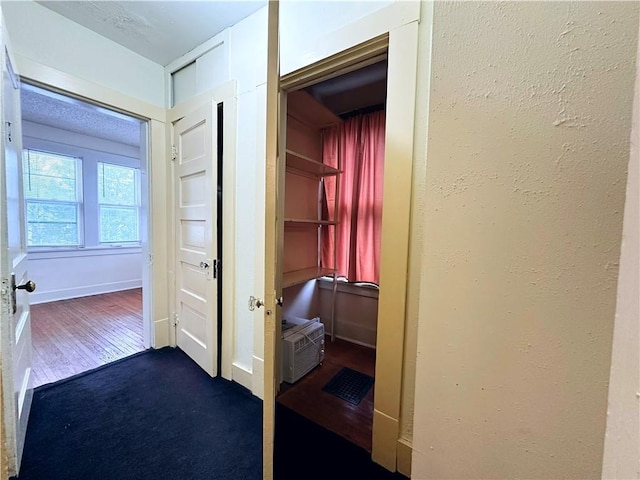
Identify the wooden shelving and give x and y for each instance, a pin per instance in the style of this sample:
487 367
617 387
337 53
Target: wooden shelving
307 184
304 221
296 277
306 164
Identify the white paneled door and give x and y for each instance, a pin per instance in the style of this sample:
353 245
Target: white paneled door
195 142
16 318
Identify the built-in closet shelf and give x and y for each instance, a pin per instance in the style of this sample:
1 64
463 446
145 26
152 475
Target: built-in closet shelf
306 164
296 277
296 222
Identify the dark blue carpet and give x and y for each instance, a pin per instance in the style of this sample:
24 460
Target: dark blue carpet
306 451
155 415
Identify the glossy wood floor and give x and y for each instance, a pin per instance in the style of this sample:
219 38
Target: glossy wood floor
76 335
353 422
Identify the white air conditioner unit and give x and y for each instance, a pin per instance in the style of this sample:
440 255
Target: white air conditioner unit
302 347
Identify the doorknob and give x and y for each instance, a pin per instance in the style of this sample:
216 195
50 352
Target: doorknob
255 303
204 265
29 286
279 301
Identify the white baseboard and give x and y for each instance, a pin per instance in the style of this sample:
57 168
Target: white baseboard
242 376
385 440
357 342
161 333
258 377
405 450
84 291
364 335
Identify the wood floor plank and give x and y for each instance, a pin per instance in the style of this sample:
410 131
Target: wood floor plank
76 335
306 397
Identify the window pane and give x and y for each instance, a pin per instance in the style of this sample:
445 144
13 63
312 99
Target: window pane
51 193
52 234
117 185
52 212
118 224
52 224
49 177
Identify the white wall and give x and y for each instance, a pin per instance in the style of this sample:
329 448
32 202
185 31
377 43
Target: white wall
50 39
307 28
355 315
528 145
622 441
198 70
83 272
92 270
301 300
247 57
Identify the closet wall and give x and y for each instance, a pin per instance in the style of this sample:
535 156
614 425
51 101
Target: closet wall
308 290
355 314
304 223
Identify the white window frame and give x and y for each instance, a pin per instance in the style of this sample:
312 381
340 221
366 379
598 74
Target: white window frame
137 207
79 203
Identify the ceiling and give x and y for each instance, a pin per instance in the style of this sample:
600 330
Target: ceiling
356 90
150 28
161 31
52 109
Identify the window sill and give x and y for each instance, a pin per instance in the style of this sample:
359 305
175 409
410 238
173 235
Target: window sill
370 291
45 253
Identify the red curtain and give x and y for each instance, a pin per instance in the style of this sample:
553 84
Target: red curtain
358 143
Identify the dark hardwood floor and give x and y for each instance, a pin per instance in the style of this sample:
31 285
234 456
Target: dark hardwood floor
76 335
306 397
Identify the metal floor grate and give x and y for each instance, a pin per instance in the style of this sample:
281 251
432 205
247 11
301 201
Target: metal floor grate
349 385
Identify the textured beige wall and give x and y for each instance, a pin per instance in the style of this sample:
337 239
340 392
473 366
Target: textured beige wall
528 145
622 441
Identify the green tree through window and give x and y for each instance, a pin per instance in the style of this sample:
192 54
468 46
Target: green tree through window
56 213
119 203
52 198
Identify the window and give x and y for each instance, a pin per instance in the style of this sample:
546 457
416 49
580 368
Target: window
119 203
74 202
53 199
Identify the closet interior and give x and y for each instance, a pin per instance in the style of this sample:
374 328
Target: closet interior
332 212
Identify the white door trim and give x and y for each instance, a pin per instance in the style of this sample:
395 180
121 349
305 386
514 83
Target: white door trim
56 79
155 318
271 281
400 45
225 93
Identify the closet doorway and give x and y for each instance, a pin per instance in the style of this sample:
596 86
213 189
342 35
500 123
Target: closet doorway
333 184
85 186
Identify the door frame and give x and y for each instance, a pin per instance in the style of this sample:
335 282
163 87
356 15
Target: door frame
146 188
225 94
52 79
401 48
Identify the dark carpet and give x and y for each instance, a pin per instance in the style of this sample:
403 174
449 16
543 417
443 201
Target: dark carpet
349 385
155 415
306 451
